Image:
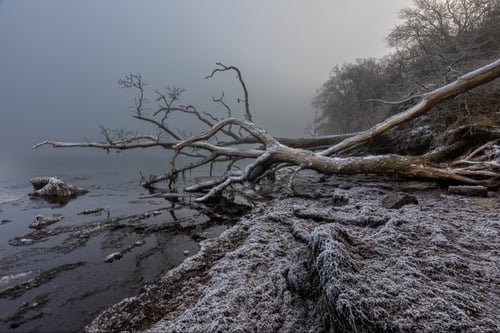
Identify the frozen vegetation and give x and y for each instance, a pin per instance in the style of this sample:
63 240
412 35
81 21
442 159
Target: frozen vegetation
334 257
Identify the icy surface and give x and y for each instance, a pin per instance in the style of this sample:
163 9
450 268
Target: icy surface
316 263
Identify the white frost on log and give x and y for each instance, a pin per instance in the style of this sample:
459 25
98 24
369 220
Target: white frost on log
474 191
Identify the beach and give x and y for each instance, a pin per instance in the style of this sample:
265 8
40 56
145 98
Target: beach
334 258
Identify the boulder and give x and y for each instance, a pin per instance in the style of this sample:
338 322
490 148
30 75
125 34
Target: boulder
42 221
54 188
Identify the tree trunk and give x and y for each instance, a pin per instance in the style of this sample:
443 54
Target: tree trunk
208 148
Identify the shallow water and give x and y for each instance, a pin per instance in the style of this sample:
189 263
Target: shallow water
58 280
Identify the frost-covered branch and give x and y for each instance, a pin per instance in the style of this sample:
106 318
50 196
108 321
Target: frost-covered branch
223 142
464 83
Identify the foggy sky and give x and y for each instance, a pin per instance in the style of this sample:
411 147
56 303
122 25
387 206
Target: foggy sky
60 60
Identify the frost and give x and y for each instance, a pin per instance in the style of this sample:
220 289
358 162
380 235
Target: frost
11 277
299 264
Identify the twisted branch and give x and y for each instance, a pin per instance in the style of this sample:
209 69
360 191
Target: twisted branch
224 68
269 153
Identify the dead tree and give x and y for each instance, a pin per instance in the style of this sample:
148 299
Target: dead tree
230 140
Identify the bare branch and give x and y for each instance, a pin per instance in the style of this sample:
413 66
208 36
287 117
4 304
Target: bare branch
223 68
395 102
464 83
272 153
159 125
258 133
135 81
123 145
221 101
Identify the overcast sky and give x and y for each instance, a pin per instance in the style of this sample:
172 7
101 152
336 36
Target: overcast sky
60 60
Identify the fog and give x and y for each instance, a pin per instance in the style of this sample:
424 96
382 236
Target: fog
60 60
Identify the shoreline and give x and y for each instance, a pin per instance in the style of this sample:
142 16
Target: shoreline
59 277
8 197
334 259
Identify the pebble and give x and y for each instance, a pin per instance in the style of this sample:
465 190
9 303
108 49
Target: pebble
91 211
113 256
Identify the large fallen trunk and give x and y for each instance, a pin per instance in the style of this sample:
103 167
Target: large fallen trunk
208 148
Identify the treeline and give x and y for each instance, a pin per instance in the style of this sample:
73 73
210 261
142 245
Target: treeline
436 43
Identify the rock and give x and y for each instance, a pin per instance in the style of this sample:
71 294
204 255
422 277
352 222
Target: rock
39 182
186 253
113 256
42 221
53 188
398 200
91 211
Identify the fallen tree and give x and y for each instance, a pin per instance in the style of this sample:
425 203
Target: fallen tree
230 140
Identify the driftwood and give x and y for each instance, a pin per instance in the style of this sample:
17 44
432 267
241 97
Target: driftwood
473 191
226 141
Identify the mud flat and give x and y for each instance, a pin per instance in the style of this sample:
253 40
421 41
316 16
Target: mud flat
334 257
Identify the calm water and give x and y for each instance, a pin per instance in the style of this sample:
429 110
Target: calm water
75 294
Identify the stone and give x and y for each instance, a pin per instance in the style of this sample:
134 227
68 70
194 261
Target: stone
398 200
113 256
91 211
42 221
54 188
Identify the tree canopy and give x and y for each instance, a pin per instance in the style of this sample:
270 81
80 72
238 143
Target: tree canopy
436 42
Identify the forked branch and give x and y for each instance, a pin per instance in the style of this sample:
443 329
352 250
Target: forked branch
266 151
224 68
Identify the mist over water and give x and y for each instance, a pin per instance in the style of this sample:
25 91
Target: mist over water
60 61
105 168
59 66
